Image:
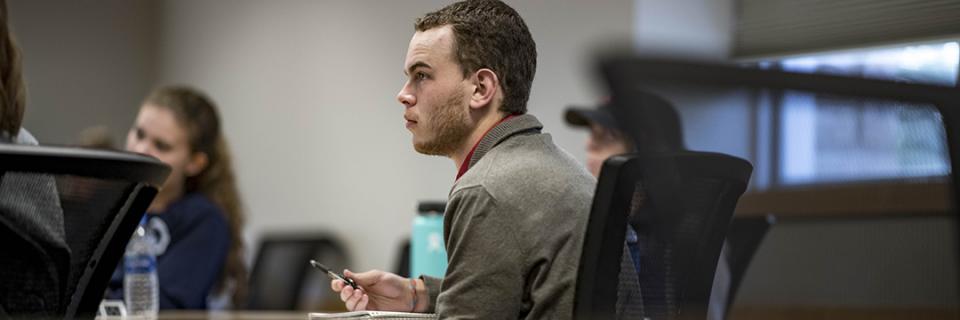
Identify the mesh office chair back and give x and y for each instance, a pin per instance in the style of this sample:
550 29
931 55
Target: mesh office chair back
689 199
692 196
68 214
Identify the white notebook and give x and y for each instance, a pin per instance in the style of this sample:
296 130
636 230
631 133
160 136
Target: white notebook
372 315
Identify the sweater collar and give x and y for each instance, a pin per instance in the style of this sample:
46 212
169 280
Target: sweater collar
503 131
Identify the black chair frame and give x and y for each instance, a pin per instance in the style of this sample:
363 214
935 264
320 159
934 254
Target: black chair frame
146 174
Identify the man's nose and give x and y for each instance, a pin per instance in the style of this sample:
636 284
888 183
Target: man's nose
406 98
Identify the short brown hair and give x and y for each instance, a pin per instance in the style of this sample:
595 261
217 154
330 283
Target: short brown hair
490 34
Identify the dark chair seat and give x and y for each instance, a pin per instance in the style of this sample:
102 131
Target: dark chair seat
282 278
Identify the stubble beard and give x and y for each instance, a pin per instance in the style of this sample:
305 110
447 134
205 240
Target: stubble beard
451 127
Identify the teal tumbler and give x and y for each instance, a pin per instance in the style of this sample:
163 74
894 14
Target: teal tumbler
428 255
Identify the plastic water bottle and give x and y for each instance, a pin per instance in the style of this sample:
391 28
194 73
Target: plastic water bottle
141 290
427 250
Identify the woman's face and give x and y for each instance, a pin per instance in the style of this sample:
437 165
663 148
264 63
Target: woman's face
156 132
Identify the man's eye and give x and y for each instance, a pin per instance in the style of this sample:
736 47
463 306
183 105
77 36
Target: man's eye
420 76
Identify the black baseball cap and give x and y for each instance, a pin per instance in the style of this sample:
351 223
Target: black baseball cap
579 116
668 127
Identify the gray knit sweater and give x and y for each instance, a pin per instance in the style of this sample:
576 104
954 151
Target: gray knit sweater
514 228
34 243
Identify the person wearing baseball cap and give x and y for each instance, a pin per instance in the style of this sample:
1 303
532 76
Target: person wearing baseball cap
607 140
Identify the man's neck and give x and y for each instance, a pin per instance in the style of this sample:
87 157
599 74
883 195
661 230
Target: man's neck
488 122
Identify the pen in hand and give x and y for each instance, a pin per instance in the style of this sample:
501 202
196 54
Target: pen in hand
333 275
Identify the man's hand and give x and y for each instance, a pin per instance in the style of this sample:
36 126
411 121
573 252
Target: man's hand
378 290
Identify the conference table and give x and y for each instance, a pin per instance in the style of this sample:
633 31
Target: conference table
232 315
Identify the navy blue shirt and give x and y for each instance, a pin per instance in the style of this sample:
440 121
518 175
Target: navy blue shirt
634 246
192 241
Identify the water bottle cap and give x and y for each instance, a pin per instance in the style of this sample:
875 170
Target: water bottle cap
431 207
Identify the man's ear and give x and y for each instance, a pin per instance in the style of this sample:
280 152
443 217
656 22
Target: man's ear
486 85
198 162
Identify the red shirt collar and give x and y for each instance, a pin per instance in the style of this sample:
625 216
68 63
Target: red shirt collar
466 161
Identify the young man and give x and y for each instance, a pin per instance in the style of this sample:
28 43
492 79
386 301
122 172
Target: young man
517 211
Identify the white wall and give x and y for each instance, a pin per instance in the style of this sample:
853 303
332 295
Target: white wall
85 63
307 92
713 120
690 28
